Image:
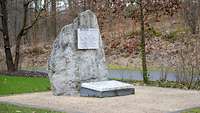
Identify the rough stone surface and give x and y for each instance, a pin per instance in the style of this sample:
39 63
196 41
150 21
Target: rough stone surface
68 66
106 89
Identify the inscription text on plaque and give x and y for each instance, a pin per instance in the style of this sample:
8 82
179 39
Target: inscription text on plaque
88 38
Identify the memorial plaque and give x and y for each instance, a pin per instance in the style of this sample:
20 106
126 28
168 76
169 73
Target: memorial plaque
88 38
106 89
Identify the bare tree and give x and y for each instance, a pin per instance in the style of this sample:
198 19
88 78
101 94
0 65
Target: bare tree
140 11
143 52
12 63
188 64
6 38
191 11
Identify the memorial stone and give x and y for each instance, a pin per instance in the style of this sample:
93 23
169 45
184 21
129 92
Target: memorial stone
77 56
77 62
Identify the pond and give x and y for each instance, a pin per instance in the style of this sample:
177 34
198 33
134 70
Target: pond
137 75
130 74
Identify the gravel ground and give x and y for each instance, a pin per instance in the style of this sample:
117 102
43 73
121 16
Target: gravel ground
146 100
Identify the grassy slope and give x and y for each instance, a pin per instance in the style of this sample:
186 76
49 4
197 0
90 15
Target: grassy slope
6 108
16 85
195 110
118 67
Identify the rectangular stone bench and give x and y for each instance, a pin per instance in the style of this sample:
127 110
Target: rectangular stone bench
106 89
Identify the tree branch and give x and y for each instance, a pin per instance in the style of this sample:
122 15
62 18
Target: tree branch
28 2
33 23
25 28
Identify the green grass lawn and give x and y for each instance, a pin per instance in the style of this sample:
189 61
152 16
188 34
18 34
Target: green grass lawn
195 110
16 85
7 108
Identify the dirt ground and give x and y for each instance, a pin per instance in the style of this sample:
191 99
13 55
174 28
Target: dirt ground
146 100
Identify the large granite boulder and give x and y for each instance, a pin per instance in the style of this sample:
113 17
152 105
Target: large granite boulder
69 66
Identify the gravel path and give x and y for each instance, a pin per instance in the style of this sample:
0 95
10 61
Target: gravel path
146 100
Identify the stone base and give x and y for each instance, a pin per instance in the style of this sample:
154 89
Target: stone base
106 89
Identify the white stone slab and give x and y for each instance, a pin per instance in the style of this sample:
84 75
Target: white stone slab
88 38
107 85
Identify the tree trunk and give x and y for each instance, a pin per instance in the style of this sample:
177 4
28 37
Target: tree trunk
19 37
53 19
17 51
143 52
7 47
84 7
46 21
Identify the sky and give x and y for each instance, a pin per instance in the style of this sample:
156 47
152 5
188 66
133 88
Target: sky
61 4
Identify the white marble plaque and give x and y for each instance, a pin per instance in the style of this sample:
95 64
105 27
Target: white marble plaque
107 85
88 38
